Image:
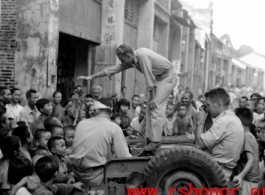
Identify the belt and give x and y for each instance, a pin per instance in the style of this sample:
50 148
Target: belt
89 169
96 168
165 74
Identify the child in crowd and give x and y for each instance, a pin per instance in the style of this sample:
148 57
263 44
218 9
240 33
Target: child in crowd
30 182
116 118
69 134
47 168
260 108
41 137
26 139
38 151
139 122
4 132
261 129
19 168
90 111
199 102
50 122
171 99
44 106
169 120
246 173
57 130
183 124
89 100
57 147
251 104
135 180
58 109
66 119
82 115
10 147
124 106
261 145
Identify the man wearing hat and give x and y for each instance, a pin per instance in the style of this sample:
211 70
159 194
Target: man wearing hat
160 80
96 141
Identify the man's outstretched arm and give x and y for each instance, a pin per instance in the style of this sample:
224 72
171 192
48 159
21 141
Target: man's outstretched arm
98 74
109 71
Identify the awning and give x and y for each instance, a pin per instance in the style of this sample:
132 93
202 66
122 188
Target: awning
184 22
239 63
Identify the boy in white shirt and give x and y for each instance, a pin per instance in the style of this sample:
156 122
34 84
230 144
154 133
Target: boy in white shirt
169 120
138 123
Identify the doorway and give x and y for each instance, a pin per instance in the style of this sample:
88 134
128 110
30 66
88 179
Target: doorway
75 58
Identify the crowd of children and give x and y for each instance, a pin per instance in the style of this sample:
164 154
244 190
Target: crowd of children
45 128
36 140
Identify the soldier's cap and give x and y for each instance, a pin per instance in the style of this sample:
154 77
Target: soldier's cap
98 105
124 49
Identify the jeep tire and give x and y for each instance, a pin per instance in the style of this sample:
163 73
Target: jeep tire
180 166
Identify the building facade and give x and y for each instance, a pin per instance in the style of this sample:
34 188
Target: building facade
47 44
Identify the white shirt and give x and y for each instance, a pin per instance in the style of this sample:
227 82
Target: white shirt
138 126
168 126
257 117
198 105
132 113
232 96
135 124
224 140
94 140
13 111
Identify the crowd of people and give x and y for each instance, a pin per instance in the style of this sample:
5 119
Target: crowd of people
47 146
47 127
53 147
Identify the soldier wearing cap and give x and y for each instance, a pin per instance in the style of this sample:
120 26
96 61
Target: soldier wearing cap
96 141
160 80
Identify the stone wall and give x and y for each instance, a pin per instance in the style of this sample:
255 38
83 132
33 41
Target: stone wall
37 36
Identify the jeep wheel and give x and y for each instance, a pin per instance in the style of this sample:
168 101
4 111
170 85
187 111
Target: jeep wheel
179 167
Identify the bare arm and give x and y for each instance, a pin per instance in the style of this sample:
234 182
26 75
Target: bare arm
20 184
190 128
175 127
201 120
96 75
198 141
109 71
246 169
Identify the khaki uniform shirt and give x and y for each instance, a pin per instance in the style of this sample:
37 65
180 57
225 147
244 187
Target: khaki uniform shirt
224 140
94 140
152 65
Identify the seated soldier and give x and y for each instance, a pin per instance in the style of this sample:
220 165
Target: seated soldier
93 143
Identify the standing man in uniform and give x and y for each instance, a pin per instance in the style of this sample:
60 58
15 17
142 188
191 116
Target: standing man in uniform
160 80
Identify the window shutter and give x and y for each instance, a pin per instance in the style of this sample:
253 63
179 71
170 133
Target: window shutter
128 12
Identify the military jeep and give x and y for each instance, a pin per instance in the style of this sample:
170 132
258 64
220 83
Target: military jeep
175 164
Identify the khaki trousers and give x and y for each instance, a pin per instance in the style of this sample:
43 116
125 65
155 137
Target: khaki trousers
155 119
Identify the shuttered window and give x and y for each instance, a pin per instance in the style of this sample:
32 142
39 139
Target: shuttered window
128 12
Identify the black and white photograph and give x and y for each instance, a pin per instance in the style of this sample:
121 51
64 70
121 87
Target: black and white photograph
132 97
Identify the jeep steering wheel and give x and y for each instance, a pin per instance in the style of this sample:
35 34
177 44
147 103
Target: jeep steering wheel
136 141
